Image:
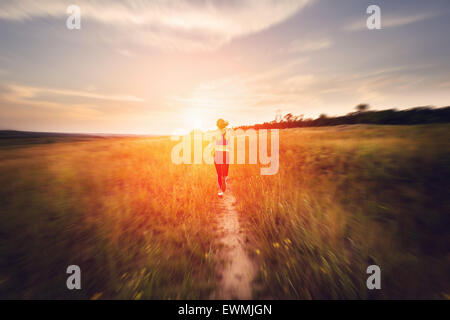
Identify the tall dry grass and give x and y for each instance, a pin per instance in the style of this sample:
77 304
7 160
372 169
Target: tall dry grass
346 198
141 227
137 225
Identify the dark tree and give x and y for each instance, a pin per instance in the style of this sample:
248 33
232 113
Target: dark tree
362 107
289 117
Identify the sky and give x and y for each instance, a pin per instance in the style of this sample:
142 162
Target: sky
164 66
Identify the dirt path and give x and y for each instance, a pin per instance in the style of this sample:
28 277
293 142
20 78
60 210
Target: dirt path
238 271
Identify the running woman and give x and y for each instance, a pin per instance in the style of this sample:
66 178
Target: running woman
221 154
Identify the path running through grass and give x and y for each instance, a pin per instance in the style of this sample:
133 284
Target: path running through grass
237 271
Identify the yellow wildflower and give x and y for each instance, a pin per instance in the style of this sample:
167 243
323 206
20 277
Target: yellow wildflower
97 296
138 295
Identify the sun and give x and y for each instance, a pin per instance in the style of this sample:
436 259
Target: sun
195 119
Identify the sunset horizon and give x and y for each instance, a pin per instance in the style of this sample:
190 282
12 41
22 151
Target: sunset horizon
158 67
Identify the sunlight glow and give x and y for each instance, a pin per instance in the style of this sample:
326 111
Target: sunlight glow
194 118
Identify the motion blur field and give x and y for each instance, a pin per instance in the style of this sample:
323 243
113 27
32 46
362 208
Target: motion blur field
347 197
141 227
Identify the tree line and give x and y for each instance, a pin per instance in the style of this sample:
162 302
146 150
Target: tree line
362 115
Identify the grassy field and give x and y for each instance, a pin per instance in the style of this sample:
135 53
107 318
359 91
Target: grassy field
141 227
138 226
347 197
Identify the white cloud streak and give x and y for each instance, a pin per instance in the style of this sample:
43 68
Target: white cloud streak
26 92
168 24
302 46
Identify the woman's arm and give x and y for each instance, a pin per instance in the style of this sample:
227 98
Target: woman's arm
213 142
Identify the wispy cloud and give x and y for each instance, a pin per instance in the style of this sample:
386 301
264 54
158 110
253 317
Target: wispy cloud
444 85
31 108
289 88
125 53
309 45
30 93
390 21
255 95
170 24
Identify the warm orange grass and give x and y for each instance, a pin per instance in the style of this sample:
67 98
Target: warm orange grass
141 227
137 225
347 197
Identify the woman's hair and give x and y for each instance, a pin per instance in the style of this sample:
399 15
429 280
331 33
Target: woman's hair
221 124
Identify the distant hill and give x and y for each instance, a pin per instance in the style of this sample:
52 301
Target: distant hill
14 138
419 115
9 134
32 134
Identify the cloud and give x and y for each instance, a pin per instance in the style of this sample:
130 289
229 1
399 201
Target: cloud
35 108
389 21
302 46
126 53
19 92
254 95
289 87
444 85
279 71
168 24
